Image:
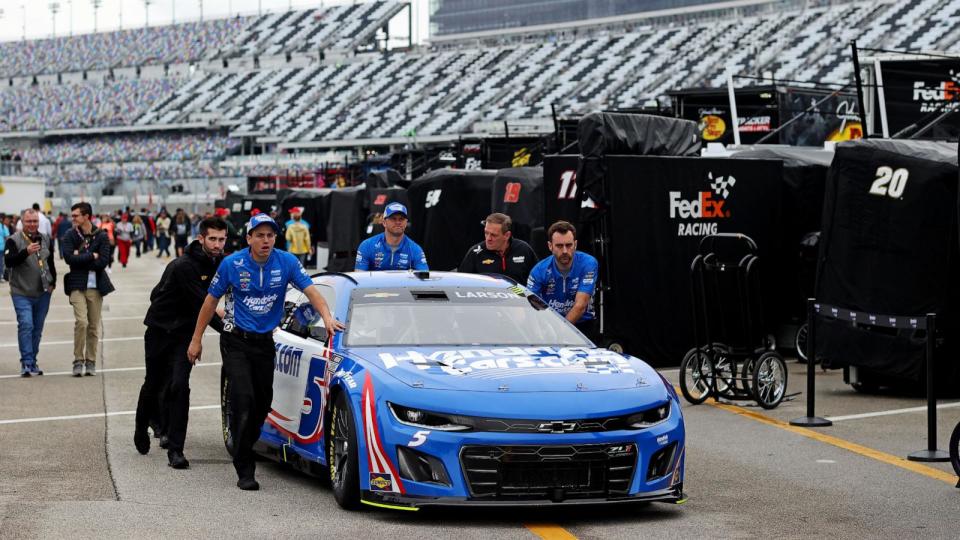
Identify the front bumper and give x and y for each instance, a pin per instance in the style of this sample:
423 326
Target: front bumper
394 501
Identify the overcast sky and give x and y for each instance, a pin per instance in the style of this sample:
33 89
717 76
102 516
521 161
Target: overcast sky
131 14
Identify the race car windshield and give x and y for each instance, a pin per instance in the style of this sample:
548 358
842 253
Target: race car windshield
455 317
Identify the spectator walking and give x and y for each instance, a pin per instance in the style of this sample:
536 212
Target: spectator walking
163 233
150 230
124 235
108 226
86 249
298 236
4 234
33 276
45 226
181 230
139 234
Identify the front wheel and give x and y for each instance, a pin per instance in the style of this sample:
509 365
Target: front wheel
342 455
696 376
226 414
800 342
955 451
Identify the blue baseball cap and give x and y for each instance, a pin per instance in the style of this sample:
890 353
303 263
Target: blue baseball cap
395 208
261 219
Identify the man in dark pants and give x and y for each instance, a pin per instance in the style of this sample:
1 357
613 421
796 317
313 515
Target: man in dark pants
254 281
174 305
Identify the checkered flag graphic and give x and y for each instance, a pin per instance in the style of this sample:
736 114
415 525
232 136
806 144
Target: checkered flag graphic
722 184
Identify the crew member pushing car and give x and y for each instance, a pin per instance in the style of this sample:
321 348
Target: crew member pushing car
254 281
391 249
174 305
500 252
566 279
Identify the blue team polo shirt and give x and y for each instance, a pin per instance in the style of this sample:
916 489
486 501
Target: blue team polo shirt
559 291
375 253
256 291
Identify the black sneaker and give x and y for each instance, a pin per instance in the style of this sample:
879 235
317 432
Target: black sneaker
247 483
164 442
141 439
176 460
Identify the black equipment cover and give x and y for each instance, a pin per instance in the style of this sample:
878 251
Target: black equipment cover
316 209
346 226
604 134
518 193
561 200
377 199
384 178
660 209
447 207
889 247
804 178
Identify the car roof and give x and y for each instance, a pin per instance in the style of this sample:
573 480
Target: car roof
406 278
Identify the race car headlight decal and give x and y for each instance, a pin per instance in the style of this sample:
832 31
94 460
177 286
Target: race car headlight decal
649 417
420 467
428 419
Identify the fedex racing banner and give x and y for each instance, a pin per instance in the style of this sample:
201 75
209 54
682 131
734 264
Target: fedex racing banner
918 91
660 209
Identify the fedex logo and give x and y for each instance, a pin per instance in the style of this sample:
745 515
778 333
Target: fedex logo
705 206
945 91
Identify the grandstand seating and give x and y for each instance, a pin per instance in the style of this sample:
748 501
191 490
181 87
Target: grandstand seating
445 91
127 148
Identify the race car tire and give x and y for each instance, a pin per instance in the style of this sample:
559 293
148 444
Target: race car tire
696 376
770 380
342 455
225 413
615 345
955 451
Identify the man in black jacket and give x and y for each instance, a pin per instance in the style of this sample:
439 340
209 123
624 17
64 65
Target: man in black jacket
174 305
87 251
500 253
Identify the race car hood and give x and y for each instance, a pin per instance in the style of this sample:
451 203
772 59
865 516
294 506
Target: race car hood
511 369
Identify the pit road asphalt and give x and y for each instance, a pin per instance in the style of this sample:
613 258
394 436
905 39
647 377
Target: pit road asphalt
80 477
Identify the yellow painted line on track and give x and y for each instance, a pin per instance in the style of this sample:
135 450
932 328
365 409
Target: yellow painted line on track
549 531
859 449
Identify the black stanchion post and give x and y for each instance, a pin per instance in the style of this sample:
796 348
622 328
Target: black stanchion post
811 419
931 454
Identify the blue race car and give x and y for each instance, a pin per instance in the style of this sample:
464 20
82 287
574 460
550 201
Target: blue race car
462 389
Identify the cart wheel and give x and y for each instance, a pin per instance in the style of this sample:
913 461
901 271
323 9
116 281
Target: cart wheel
955 451
614 345
746 374
725 369
800 342
696 376
770 380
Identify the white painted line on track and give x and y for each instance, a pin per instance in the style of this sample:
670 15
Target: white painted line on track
105 340
48 321
892 412
108 370
86 416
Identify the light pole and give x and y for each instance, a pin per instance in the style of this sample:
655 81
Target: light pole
173 11
96 7
146 11
54 8
201 9
70 3
23 24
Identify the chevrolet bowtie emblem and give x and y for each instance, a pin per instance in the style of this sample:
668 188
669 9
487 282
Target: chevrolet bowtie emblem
557 426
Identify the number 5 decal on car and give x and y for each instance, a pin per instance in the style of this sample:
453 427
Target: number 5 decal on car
419 438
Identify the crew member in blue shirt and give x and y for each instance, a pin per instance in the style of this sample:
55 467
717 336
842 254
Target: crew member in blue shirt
391 249
567 279
254 281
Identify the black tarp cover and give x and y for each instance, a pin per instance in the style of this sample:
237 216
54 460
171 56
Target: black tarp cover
889 247
345 227
603 134
660 209
447 207
518 193
804 178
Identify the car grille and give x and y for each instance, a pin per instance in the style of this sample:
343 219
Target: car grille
550 472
